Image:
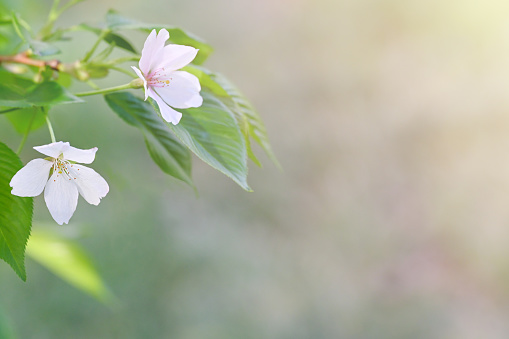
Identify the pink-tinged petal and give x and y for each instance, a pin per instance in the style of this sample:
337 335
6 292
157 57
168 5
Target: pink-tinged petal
140 75
181 91
85 156
31 179
152 48
90 184
54 149
168 113
174 57
61 196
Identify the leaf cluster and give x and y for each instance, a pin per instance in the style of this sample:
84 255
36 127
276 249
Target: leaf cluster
220 132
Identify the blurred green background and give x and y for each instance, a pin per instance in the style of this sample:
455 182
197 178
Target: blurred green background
390 220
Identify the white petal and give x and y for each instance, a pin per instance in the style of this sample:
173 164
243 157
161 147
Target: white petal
90 184
168 113
140 75
31 179
85 156
182 91
54 149
61 196
153 46
174 57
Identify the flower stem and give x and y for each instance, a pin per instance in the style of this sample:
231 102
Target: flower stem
52 17
104 32
50 128
25 136
136 83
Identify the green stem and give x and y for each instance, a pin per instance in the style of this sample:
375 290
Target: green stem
93 85
50 128
67 6
52 17
136 83
25 136
94 47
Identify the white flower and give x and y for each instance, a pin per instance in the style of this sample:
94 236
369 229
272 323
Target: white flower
68 178
161 80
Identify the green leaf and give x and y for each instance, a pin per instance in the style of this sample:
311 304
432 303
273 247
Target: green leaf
212 133
119 41
11 98
16 82
13 89
116 21
15 215
248 118
50 93
16 91
110 38
166 151
208 82
27 119
67 260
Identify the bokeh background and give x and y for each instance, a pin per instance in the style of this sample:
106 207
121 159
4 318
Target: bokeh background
390 219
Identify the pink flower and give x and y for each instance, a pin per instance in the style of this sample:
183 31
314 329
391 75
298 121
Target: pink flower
162 81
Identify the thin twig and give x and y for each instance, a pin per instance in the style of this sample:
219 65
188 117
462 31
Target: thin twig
23 58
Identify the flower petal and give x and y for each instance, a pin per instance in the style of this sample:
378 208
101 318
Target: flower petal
174 57
54 149
90 184
140 75
168 113
61 196
31 179
85 156
152 47
182 91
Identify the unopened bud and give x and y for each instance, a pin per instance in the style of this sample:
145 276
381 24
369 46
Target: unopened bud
136 83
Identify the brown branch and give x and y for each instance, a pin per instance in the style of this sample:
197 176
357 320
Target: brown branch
23 58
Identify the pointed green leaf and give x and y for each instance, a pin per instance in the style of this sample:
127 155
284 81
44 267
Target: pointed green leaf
110 38
120 41
67 260
166 151
17 91
212 133
50 93
15 214
9 97
248 118
116 21
27 119
208 82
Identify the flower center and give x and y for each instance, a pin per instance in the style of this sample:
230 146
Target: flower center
61 167
153 78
